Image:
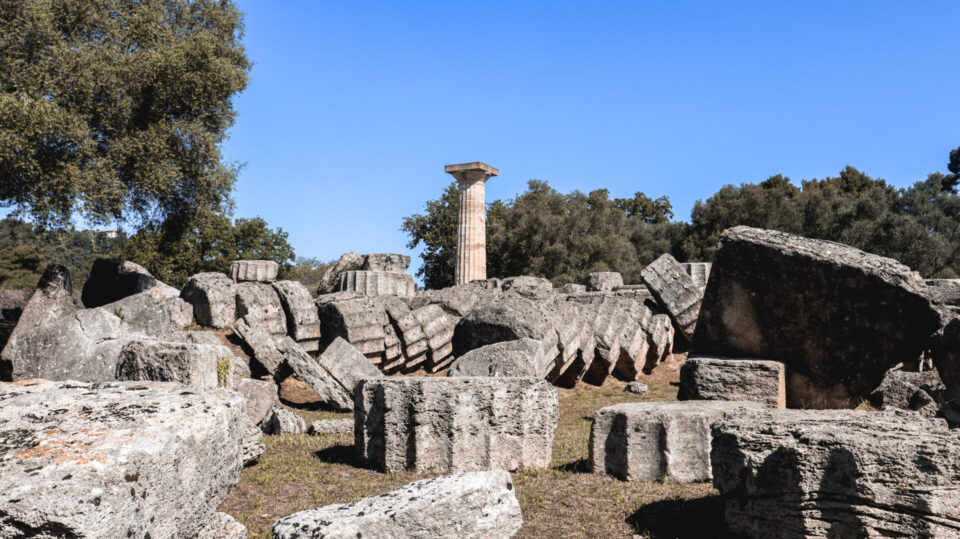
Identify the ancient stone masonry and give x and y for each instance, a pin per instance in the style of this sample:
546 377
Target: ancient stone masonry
198 365
331 277
53 299
837 317
699 272
214 299
522 357
302 321
260 305
413 342
474 505
263 346
676 291
347 365
472 220
837 473
453 424
358 320
438 331
923 392
657 441
725 379
112 279
332 392
256 271
376 283
126 459
604 281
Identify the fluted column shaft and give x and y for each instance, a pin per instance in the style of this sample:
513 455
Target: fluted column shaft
472 232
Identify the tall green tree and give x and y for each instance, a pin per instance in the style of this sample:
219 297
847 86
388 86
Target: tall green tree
436 228
115 110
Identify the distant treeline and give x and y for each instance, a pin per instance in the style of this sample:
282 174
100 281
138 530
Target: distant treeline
564 237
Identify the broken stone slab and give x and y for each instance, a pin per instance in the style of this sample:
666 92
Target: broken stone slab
634 322
573 288
606 327
214 299
347 365
357 319
676 291
331 426
392 349
376 283
453 424
331 392
522 357
280 421
946 354
331 277
528 286
454 300
112 279
391 262
222 526
261 396
837 317
837 473
945 291
198 365
53 299
467 505
197 337
115 459
263 346
438 331
260 305
498 318
922 392
660 341
698 271
657 441
570 373
302 321
637 388
151 313
407 328
254 271
604 281
252 447
726 379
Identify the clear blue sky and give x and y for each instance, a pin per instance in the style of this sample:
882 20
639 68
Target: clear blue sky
353 108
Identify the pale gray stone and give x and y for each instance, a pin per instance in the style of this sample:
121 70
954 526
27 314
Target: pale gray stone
257 271
331 426
637 388
438 330
120 459
260 305
376 283
698 271
302 321
919 391
331 392
837 473
657 441
573 288
213 296
461 506
53 299
282 421
726 379
199 365
357 319
604 281
391 262
222 526
252 446
263 346
112 279
149 313
528 286
197 337
261 396
676 291
347 365
453 424
331 277
522 357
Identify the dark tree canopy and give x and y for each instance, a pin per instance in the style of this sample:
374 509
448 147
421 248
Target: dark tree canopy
115 110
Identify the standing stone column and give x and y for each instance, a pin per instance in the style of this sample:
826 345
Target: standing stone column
472 223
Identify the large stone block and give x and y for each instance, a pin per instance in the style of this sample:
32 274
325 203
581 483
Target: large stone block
112 279
523 358
54 298
331 392
676 291
837 473
438 330
923 392
263 347
260 305
214 299
302 321
357 319
391 262
257 271
331 277
376 283
468 505
261 396
455 424
657 441
604 281
199 365
528 286
129 459
698 271
726 379
837 317
347 365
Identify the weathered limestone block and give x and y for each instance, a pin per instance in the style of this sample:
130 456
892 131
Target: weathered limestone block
331 277
455 424
222 526
837 317
919 391
251 446
660 341
468 505
438 331
261 396
53 299
358 320
498 318
112 279
945 291
263 346
376 283
392 349
657 441
454 300
635 321
198 365
413 342
127 459
676 291
837 473
255 271
260 305
573 288
214 299
639 292
331 426
523 358
197 337
150 313
637 388
604 281
279 420
725 379
347 365
607 330
528 286
698 271
331 392
394 263
572 370
302 321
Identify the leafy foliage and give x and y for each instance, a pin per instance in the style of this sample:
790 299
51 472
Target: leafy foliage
308 271
112 110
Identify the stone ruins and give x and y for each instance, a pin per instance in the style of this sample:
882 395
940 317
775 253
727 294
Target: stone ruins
130 410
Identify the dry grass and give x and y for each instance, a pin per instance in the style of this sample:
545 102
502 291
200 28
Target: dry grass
302 472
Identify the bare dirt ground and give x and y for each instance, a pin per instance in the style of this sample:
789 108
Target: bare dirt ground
301 472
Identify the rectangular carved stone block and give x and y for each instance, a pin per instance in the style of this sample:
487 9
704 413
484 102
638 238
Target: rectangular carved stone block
455 424
725 379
